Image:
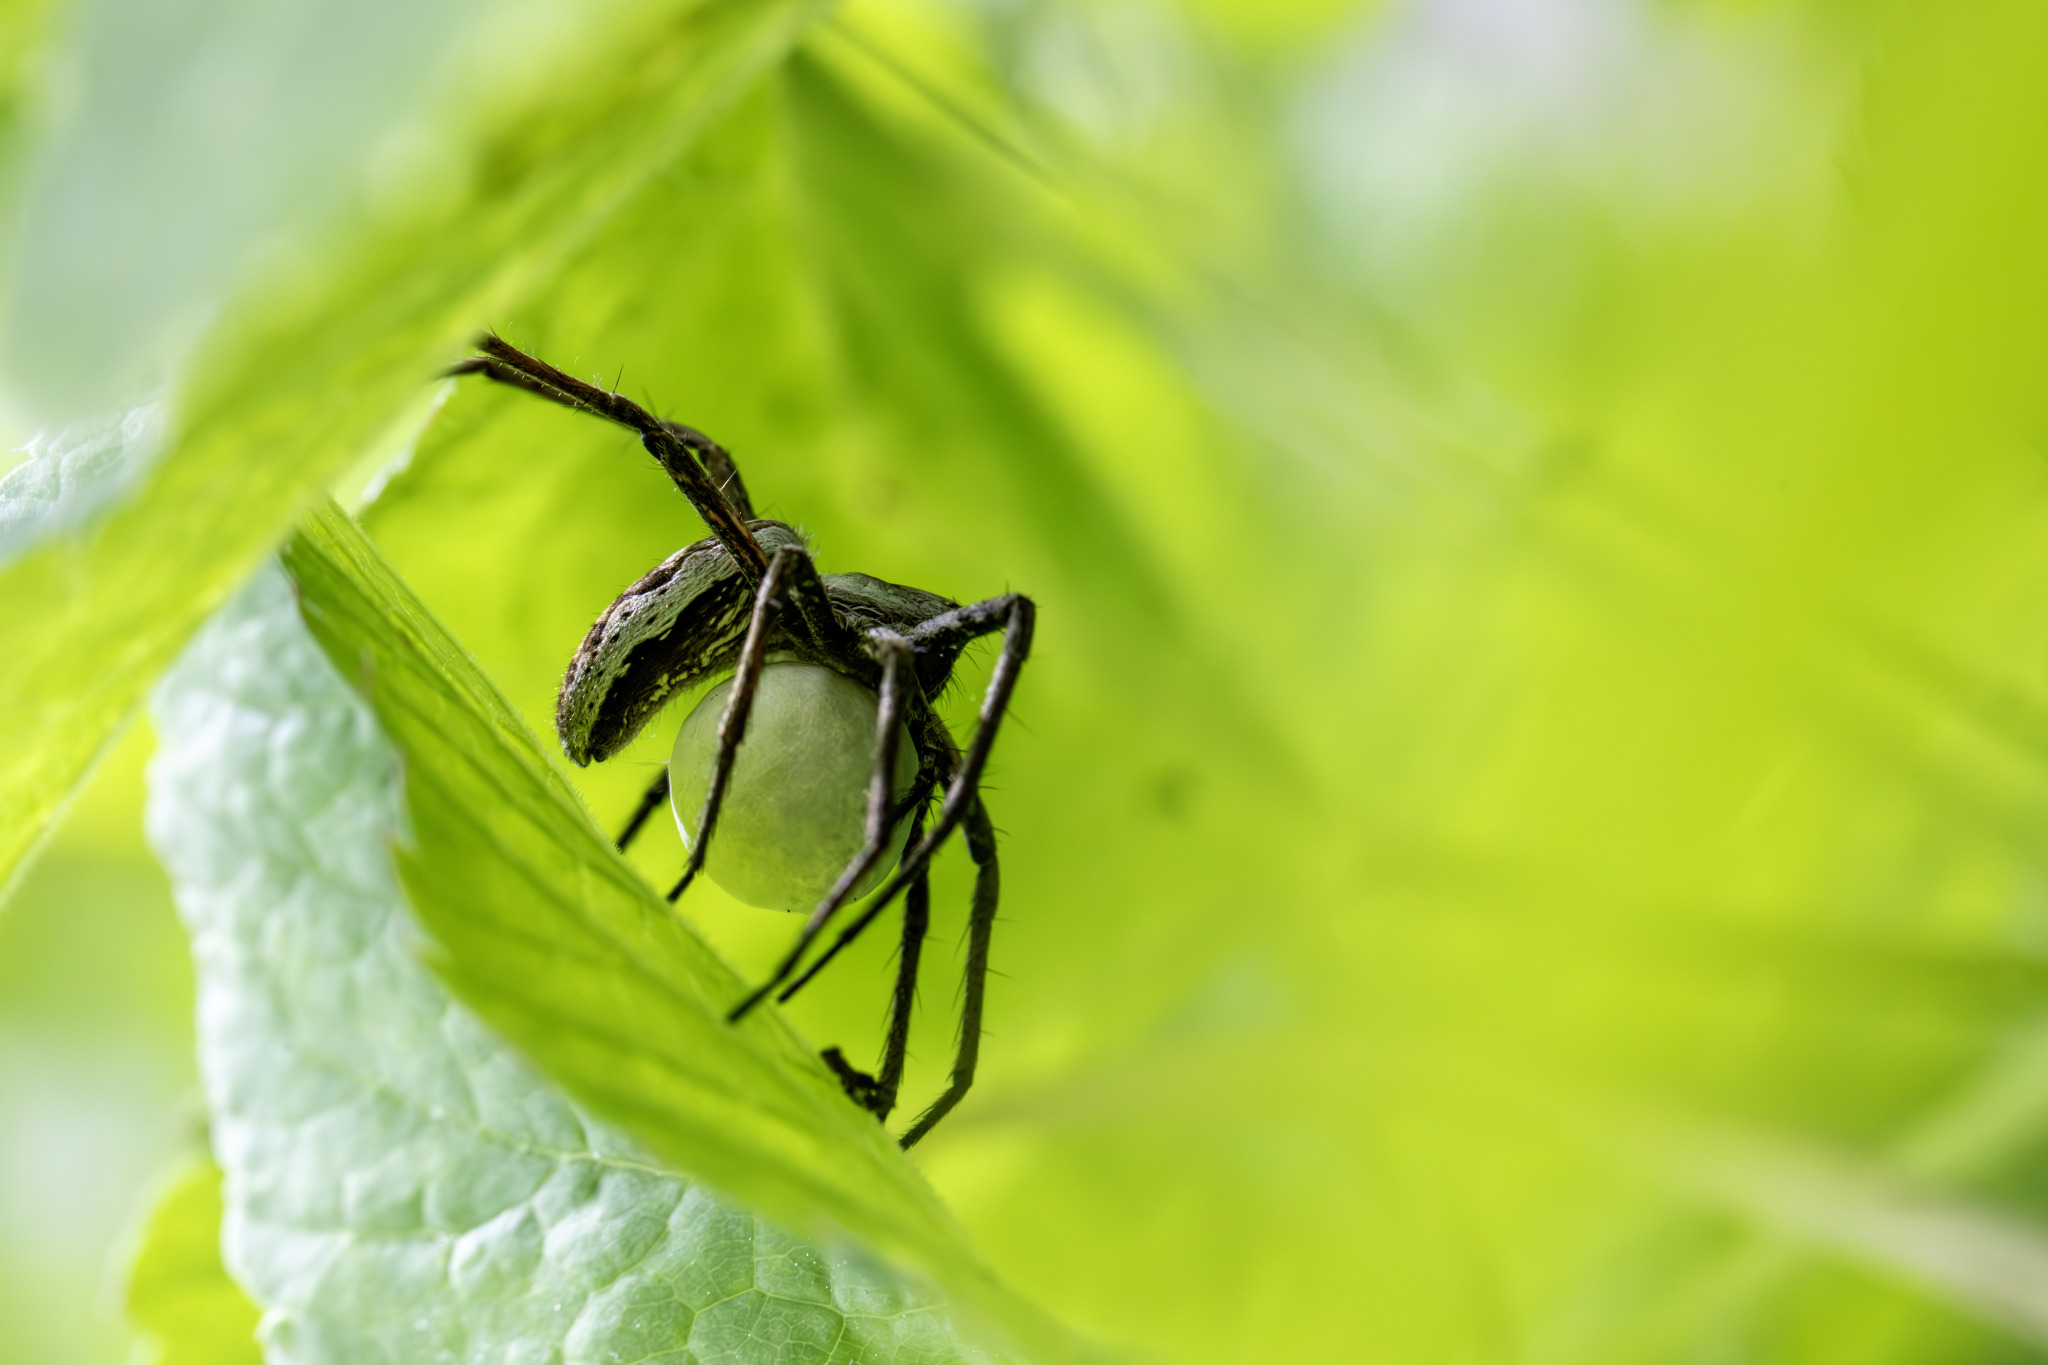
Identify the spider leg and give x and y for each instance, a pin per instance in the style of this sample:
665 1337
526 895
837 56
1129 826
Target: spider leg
657 792
684 452
817 622
877 1093
718 463
981 846
1014 615
894 653
732 726
917 919
955 628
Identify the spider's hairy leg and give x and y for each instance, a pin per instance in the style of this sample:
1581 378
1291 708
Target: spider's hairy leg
917 919
893 652
817 619
981 846
720 465
877 1093
1014 615
657 792
732 727
957 627
682 451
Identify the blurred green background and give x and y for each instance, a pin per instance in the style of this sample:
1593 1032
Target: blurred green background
1524 822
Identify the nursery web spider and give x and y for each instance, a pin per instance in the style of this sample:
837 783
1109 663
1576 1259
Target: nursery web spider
724 605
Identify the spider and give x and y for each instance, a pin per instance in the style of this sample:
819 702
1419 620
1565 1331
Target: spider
725 605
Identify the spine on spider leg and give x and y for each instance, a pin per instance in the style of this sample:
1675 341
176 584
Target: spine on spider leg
719 464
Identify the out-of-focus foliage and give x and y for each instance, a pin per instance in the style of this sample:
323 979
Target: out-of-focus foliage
23 33
95 1063
1522 826
317 348
179 1295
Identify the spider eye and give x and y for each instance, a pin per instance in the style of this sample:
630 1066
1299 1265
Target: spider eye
795 811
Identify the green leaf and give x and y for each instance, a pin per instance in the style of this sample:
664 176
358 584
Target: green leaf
179 1296
331 347
543 929
402 1186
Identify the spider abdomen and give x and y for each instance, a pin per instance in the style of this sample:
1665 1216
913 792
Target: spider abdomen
678 625
794 812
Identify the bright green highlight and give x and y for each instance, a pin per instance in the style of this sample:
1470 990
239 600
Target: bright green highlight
179 1296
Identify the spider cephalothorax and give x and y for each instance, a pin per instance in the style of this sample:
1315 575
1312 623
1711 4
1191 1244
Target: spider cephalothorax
749 594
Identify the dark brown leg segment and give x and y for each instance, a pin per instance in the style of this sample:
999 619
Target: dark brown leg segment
718 463
917 920
877 1093
657 792
981 846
